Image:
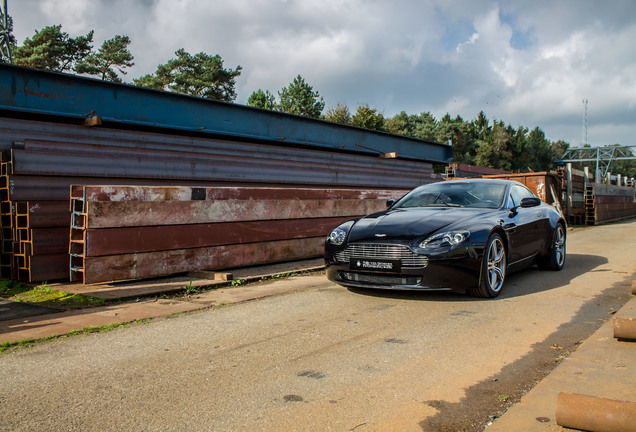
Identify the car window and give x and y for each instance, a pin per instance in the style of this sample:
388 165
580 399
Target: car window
455 194
517 193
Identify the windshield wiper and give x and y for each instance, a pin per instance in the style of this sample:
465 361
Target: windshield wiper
442 203
451 204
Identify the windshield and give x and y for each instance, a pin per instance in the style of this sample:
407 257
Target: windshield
455 194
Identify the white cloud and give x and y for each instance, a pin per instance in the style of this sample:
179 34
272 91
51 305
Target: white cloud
73 12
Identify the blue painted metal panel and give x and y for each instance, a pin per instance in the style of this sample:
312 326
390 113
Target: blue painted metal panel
35 91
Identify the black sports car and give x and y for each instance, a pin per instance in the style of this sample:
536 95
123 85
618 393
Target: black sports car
460 235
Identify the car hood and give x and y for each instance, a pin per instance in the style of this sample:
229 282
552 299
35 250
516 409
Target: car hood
404 224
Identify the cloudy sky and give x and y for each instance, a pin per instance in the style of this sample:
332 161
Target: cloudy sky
528 63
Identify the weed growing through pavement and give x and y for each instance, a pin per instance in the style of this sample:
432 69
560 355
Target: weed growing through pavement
278 276
191 289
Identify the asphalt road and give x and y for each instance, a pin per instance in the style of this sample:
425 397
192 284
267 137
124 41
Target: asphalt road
325 358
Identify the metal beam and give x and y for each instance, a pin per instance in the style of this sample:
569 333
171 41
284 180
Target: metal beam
40 92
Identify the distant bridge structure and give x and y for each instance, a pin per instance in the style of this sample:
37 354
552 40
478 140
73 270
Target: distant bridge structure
603 156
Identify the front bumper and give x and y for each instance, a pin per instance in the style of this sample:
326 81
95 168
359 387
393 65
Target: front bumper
451 270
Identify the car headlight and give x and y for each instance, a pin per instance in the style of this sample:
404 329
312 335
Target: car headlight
337 236
450 238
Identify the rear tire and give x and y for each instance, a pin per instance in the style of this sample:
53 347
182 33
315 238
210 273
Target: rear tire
556 259
493 269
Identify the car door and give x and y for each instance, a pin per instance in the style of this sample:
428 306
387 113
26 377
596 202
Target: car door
524 225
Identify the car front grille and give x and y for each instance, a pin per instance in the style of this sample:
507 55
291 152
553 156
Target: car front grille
380 279
382 252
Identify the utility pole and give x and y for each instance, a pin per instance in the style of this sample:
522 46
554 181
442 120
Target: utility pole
5 36
585 122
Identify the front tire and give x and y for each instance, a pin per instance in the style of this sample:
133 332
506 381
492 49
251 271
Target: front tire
493 269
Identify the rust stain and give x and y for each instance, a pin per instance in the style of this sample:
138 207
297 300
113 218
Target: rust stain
43 95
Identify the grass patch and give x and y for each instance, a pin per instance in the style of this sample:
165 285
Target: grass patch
44 295
25 343
191 289
279 276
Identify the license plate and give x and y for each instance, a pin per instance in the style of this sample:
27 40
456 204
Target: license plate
392 266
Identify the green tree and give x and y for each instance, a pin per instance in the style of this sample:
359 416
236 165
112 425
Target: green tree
462 136
559 147
399 124
541 154
262 99
368 118
52 49
482 126
421 126
519 148
339 114
113 56
494 152
201 75
424 126
300 99
624 167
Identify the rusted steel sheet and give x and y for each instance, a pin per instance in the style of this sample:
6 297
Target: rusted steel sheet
249 193
46 268
56 188
607 203
613 199
540 183
185 193
148 213
239 169
142 219
61 154
116 241
42 214
466 170
151 264
265 154
601 189
591 413
45 241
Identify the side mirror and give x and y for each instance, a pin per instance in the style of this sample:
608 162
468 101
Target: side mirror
530 202
390 202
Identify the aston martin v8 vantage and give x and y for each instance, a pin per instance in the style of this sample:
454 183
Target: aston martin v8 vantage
459 235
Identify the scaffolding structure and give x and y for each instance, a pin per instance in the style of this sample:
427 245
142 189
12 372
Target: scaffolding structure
5 35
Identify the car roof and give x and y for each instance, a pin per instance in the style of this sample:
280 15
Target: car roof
482 180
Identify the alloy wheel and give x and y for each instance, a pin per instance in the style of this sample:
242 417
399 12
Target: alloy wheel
496 264
559 245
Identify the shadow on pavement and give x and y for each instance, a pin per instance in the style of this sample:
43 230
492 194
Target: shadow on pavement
529 281
10 310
